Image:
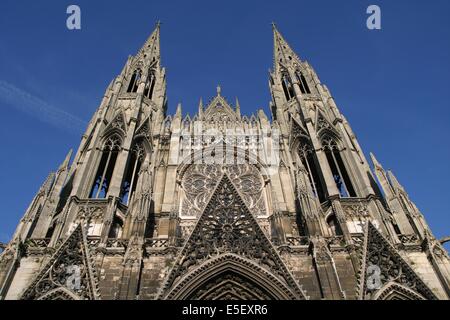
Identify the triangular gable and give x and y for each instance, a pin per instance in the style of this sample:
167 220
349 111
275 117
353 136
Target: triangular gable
393 269
322 124
70 262
117 123
144 129
298 131
219 110
227 227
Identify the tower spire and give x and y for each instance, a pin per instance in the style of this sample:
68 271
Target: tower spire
283 53
151 47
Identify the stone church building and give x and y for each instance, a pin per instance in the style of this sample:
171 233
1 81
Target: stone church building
220 205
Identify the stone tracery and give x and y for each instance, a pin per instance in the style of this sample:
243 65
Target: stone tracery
199 181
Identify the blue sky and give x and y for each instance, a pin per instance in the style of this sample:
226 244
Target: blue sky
391 84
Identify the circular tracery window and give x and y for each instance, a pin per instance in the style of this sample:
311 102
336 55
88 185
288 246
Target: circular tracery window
200 180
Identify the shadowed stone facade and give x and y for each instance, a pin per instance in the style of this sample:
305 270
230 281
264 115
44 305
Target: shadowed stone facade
292 210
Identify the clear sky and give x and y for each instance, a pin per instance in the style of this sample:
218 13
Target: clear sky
392 84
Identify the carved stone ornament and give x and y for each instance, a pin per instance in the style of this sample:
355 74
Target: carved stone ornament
200 180
68 275
227 227
389 268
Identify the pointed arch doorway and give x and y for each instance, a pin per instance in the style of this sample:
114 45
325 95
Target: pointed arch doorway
230 277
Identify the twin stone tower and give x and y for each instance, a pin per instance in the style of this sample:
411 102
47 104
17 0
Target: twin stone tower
221 205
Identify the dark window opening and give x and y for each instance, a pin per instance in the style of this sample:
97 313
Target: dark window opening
396 228
150 228
134 82
287 87
106 168
116 229
338 170
150 85
304 88
137 155
308 160
50 231
345 176
302 227
334 225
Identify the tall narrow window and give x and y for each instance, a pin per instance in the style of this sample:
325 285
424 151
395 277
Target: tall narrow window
333 224
340 175
137 156
150 85
134 82
304 88
116 229
396 228
105 170
287 86
50 230
306 155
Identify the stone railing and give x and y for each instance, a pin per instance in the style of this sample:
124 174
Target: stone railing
38 243
156 243
93 242
337 241
163 243
116 243
409 239
297 241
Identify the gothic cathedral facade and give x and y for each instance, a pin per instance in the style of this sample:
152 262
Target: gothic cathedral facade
291 209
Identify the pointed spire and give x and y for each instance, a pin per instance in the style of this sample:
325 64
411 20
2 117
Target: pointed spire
382 177
151 47
282 51
274 26
219 90
200 108
394 182
66 161
48 183
375 162
262 114
178 113
238 108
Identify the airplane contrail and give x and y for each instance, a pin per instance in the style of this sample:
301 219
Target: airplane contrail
38 108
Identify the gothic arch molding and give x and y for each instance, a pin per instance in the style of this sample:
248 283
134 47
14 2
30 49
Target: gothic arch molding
145 142
59 294
264 284
395 291
117 125
198 156
327 134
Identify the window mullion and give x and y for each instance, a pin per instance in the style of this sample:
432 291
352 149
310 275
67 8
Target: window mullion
340 173
104 175
132 180
311 177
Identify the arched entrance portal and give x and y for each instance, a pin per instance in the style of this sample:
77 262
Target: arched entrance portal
230 277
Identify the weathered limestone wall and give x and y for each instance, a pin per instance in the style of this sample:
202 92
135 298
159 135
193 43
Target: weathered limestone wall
424 269
28 269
